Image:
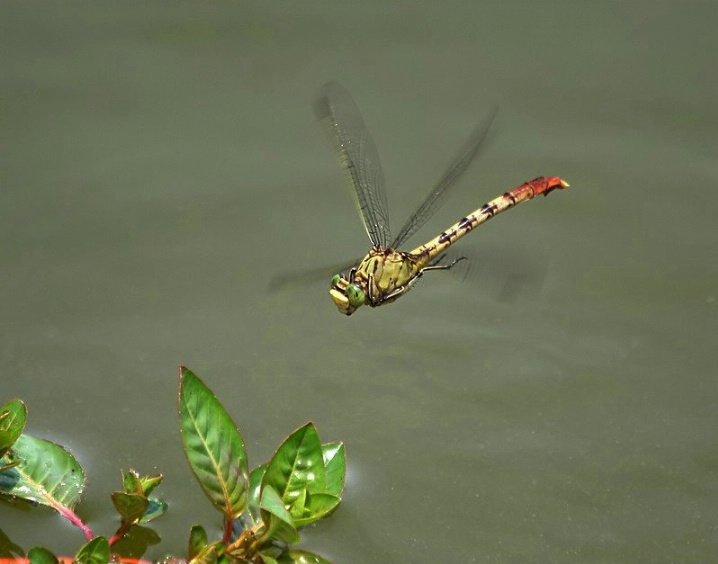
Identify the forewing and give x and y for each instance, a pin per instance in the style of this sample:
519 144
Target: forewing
336 109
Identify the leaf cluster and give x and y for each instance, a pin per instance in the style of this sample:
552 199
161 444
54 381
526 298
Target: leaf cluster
262 509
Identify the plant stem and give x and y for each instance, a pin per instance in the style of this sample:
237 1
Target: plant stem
75 520
121 531
227 530
246 541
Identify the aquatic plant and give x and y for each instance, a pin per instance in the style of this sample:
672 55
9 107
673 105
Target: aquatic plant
262 509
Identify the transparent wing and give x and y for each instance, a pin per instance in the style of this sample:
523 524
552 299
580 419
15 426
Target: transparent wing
358 155
435 198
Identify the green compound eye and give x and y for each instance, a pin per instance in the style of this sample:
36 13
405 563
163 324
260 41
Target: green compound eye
335 280
355 295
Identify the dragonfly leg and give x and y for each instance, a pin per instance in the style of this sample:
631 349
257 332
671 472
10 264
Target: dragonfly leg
370 290
437 266
401 290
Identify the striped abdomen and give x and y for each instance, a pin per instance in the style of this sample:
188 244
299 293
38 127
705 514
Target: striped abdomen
526 191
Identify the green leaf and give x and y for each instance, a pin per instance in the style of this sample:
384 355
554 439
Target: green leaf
255 491
297 466
197 540
301 557
131 482
97 551
213 446
40 555
317 506
156 508
209 554
279 523
47 474
131 507
334 456
297 508
150 483
136 540
270 553
13 416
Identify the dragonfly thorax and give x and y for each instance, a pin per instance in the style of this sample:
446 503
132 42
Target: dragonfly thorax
380 277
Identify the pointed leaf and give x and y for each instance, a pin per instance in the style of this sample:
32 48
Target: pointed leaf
279 523
13 416
97 551
301 557
267 558
47 474
213 446
40 555
297 466
150 483
317 506
197 540
334 456
131 507
131 483
156 508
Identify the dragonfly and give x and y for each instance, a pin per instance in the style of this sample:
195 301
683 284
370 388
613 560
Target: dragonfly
385 273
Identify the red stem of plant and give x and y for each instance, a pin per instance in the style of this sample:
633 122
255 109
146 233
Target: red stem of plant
75 520
114 538
227 530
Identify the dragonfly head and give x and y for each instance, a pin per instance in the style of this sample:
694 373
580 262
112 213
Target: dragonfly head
347 295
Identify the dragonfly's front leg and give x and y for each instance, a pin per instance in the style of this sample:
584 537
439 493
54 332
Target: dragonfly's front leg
401 290
370 291
376 298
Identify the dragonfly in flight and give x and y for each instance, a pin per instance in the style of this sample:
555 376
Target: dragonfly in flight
386 273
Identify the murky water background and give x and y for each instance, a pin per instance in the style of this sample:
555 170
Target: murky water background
160 165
